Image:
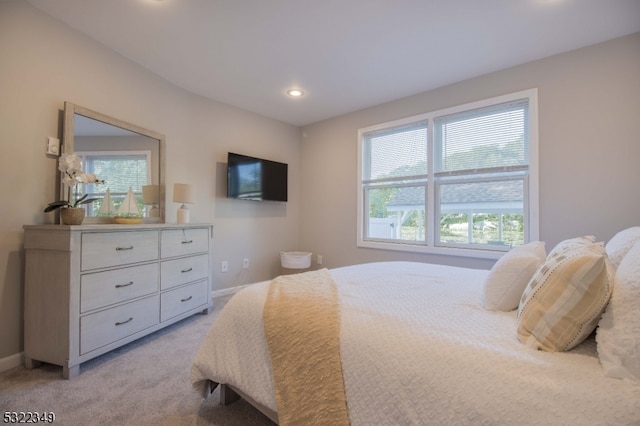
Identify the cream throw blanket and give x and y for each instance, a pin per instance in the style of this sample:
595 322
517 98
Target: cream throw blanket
302 328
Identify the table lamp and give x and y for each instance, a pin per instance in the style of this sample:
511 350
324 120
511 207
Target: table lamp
151 197
183 193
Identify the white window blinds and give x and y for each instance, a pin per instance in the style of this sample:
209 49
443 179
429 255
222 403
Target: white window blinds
484 139
131 171
394 153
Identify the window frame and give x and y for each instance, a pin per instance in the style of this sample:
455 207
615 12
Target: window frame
432 208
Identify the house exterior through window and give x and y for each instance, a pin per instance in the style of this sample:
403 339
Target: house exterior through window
456 181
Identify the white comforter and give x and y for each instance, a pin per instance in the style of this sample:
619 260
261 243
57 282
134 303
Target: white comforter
418 348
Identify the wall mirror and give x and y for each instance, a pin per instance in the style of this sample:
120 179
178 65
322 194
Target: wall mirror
129 158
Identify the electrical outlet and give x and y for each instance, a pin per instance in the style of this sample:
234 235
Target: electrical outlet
224 266
245 263
319 259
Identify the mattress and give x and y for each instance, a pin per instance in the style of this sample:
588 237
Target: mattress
417 347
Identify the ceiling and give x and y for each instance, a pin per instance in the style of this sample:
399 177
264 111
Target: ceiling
344 54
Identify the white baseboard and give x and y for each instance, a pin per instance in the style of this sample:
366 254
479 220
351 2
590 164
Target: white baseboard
11 361
227 291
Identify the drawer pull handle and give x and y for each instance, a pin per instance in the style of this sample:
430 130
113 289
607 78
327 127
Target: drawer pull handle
187 270
187 242
124 285
187 299
124 248
124 322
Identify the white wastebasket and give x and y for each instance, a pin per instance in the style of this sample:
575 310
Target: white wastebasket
294 262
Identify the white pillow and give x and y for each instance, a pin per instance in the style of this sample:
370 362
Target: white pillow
621 243
618 335
510 275
565 298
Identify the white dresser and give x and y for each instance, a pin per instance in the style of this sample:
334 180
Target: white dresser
92 288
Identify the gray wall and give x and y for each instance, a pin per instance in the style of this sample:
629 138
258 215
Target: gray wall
589 147
44 63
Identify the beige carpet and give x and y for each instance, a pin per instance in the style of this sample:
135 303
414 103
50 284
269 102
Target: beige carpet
143 383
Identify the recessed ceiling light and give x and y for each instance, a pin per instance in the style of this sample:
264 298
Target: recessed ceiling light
296 93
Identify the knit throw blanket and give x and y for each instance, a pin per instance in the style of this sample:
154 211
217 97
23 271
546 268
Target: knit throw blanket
302 328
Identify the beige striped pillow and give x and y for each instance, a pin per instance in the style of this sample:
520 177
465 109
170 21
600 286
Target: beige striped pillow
571 244
565 298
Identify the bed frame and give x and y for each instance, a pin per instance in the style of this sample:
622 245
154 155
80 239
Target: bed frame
230 394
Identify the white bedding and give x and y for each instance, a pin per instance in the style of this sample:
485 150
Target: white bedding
417 347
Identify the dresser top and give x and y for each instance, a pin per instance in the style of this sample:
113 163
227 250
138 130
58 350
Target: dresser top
115 227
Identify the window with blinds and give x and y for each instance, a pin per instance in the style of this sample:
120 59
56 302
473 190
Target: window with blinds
394 174
121 171
461 178
485 139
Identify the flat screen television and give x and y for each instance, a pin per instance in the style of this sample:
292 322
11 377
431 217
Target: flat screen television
250 178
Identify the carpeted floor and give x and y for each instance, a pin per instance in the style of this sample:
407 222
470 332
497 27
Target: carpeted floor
143 383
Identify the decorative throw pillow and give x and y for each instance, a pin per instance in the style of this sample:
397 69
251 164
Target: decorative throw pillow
565 298
558 249
510 275
621 243
572 243
618 336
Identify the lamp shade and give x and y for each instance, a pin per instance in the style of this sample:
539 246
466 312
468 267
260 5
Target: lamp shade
150 194
183 193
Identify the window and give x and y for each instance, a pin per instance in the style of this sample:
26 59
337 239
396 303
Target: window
121 171
458 180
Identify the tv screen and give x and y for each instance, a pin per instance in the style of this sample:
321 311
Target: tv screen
251 178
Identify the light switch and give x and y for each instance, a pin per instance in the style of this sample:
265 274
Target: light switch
53 146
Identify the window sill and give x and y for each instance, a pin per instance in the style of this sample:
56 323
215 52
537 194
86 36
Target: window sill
444 251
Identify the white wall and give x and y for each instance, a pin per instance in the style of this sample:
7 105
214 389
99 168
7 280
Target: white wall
589 108
44 63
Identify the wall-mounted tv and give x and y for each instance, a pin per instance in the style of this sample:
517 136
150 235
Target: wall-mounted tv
250 178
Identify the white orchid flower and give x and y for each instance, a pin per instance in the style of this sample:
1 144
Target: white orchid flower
71 167
89 178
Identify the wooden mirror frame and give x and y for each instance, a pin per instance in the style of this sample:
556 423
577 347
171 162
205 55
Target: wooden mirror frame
70 111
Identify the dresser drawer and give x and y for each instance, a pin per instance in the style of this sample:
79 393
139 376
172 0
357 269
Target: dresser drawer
118 285
181 271
104 249
102 328
181 242
183 299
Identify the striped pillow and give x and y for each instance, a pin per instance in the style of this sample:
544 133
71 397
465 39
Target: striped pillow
572 243
565 298
559 249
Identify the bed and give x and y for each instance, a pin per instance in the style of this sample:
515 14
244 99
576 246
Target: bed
418 345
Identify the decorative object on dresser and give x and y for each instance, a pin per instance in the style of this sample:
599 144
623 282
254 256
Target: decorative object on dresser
183 193
72 215
106 207
150 197
92 288
129 213
73 175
